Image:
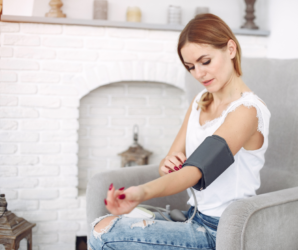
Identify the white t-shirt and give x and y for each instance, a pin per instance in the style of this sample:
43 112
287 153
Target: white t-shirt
242 178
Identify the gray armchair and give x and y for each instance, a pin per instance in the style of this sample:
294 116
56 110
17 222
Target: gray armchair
268 220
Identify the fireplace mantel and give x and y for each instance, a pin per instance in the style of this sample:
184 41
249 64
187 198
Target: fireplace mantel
106 23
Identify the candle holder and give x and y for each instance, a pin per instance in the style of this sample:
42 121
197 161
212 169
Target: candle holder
55 9
100 10
250 15
133 14
174 15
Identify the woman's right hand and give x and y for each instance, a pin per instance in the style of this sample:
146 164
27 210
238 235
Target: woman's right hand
173 162
120 201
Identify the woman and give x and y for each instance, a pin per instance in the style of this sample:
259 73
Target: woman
211 53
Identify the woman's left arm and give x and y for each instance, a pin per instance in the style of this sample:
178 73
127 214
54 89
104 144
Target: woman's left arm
237 129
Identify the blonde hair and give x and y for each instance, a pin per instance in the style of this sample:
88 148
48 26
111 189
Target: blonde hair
205 100
209 29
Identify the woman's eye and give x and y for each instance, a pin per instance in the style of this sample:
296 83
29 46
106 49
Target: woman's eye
206 63
193 67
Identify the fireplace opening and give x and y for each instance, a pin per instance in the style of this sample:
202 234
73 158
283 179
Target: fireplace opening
108 114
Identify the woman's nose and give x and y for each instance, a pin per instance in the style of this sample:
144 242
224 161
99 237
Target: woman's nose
199 73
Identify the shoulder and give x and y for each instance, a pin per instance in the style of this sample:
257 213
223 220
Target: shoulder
249 110
249 99
242 114
250 104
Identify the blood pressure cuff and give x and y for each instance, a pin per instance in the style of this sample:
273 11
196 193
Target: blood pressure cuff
212 157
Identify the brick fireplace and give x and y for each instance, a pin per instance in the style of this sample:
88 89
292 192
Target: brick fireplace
66 91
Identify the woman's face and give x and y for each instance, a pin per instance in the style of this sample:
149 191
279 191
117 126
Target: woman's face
210 66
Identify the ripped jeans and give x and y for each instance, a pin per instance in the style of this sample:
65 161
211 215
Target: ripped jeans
143 234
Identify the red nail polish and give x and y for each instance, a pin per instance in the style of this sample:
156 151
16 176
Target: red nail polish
121 196
170 171
180 166
106 202
111 186
121 188
176 168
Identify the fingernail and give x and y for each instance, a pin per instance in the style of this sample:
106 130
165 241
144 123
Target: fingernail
111 186
121 196
170 171
180 166
121 188
106 202
176 168
184 160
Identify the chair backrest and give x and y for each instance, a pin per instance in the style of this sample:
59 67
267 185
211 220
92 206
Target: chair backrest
276 82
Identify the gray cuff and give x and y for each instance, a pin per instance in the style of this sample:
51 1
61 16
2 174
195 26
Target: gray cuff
212 157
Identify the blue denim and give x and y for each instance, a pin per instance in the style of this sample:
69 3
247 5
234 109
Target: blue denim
131 234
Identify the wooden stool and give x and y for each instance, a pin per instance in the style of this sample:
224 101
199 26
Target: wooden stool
13 229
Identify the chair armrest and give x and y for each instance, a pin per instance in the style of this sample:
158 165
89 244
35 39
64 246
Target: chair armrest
266 221
98 186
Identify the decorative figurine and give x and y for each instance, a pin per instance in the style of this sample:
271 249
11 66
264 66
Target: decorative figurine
250 15
55 9
133 14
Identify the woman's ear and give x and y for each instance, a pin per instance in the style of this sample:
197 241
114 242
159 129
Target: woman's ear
232 48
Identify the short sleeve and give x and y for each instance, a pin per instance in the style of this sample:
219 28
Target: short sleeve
263 113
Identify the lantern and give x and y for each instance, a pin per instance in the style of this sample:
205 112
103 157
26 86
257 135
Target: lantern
12 228
136 154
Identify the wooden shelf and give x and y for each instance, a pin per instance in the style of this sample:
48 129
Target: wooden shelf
106 23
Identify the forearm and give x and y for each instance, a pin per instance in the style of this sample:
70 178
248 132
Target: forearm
173 183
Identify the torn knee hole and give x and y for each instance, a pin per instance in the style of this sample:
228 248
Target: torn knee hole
104 224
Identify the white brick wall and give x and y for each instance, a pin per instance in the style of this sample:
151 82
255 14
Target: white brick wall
45 71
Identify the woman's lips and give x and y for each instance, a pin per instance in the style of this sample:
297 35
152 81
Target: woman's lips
206 83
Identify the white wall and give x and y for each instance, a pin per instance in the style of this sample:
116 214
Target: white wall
282 22
10 7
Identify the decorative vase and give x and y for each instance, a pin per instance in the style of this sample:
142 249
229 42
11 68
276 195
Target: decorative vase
133 14
174 14
250 15
55 9
100 9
